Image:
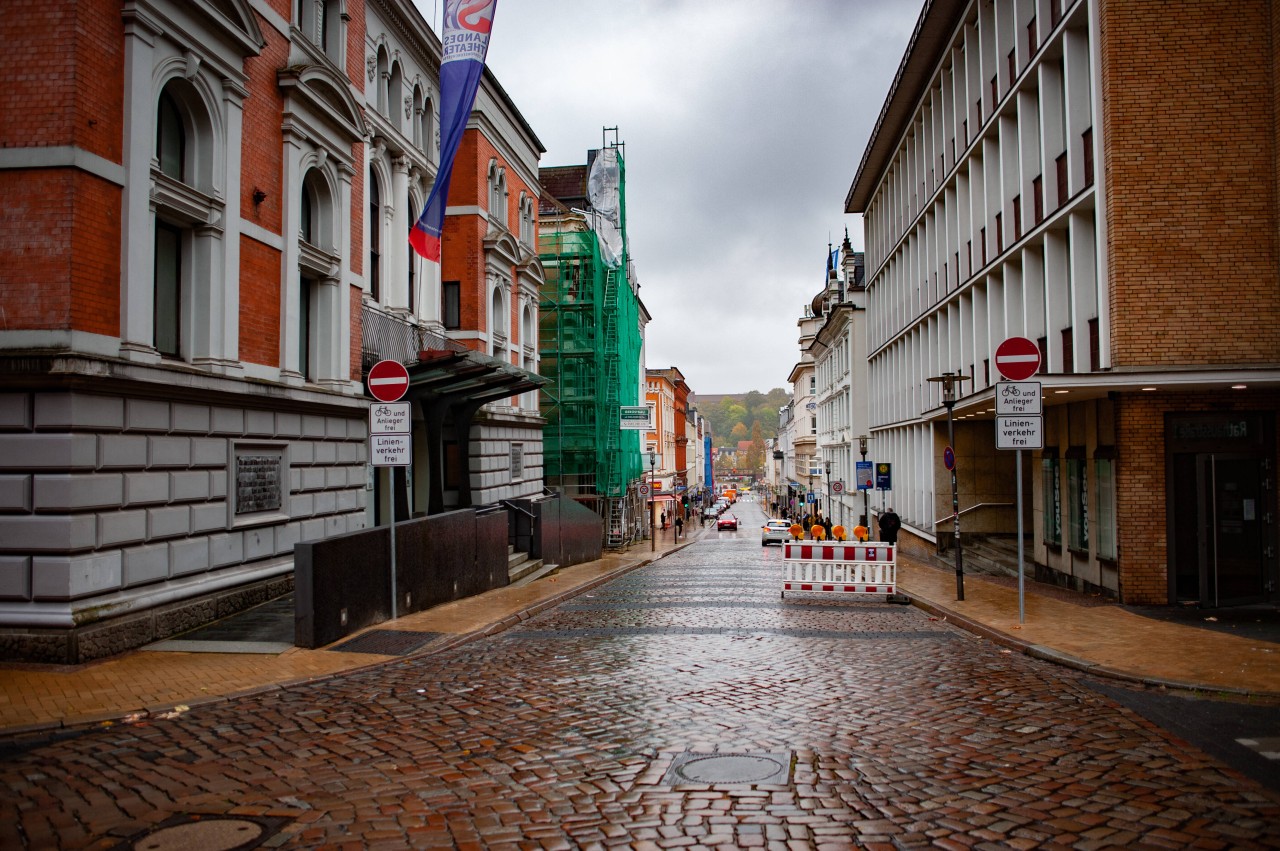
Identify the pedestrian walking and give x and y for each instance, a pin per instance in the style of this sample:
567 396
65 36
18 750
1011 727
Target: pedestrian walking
679 525
890 523
664 521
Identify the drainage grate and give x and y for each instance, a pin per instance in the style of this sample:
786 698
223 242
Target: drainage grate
205 832
387 642
773 769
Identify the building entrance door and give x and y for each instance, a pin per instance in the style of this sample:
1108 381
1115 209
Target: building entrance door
1222 512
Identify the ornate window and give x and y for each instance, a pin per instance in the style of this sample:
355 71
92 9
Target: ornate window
375 236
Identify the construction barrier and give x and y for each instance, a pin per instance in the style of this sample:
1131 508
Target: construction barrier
837 568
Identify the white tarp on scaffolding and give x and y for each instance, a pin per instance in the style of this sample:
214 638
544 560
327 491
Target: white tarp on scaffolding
604 191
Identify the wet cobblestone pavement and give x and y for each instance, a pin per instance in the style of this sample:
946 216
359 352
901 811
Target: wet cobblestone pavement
581 728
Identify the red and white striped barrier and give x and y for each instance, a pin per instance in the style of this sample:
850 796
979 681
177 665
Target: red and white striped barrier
839 568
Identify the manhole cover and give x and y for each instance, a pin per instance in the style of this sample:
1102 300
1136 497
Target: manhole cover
205 833
387 642
773 769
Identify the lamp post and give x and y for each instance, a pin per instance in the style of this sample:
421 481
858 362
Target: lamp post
827 464
949 380
866 509
809 493
653 534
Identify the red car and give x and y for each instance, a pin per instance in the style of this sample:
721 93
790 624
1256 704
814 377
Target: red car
727 521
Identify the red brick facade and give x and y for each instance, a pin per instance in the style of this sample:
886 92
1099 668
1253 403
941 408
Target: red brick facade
1189 110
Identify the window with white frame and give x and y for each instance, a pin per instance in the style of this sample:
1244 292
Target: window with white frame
322 23
517 461
497 192
183 250
527 232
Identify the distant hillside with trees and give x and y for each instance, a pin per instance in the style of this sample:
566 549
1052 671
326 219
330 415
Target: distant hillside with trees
734 416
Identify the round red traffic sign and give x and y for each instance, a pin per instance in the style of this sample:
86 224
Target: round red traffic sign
388 380
1018 358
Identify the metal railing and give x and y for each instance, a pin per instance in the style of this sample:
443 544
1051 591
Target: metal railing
393 336
944 542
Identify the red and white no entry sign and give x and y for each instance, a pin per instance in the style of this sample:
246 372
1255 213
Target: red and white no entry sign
1018 358
388 380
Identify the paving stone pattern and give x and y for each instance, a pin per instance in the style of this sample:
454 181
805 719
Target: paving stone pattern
559 733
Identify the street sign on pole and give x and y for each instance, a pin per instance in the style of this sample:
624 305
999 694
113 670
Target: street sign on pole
635 418
1019 397
837 486
1019 432
388 381
1018 358
862 472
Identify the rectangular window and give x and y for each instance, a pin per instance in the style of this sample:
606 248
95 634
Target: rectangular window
1061 165
517 461
1013 66
1033 40
1094 353
1087 138
1050 474
1078 493
306 327
1068 351
451 307
995 91
982 240
1017 217
167 319
999 234
1055 13
813 425
1042 343
1105 483
1037 198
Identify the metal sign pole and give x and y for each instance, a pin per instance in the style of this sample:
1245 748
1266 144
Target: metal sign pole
393 543
1021 597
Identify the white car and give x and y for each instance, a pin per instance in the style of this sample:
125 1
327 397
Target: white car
775 532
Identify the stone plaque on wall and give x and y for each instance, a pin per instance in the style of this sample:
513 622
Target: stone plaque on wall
259 482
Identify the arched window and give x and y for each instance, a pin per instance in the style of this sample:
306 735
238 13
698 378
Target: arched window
375 236
384 79
413 263
497 320
416 130
307 220
171 137
497 192
428 144
395 98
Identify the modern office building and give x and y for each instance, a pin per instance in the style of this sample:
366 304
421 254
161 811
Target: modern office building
1100 179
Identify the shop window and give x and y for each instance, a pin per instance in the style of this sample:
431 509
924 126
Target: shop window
1078 494
1050 475
1105 522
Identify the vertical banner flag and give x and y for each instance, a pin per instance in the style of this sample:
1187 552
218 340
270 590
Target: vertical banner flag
467 24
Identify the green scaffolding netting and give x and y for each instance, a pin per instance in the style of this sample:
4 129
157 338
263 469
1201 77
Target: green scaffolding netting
589 342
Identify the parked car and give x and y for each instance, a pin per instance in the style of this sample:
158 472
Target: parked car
775 532
710 513
727 521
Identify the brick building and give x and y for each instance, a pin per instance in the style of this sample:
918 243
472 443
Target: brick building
206 210
1100 178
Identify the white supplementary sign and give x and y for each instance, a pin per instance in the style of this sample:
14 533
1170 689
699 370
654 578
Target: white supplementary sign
635 418
390 418
1019 432
390 443
390 450
1018 397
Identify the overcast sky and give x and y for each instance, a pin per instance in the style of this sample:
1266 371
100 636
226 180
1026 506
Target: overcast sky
743 121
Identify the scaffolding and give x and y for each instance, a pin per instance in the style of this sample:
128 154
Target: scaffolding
589 342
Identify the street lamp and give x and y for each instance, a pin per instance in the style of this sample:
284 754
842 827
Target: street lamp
827 463
949 381
653 535
866 509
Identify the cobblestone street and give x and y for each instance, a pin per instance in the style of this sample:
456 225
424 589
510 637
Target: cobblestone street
590 726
